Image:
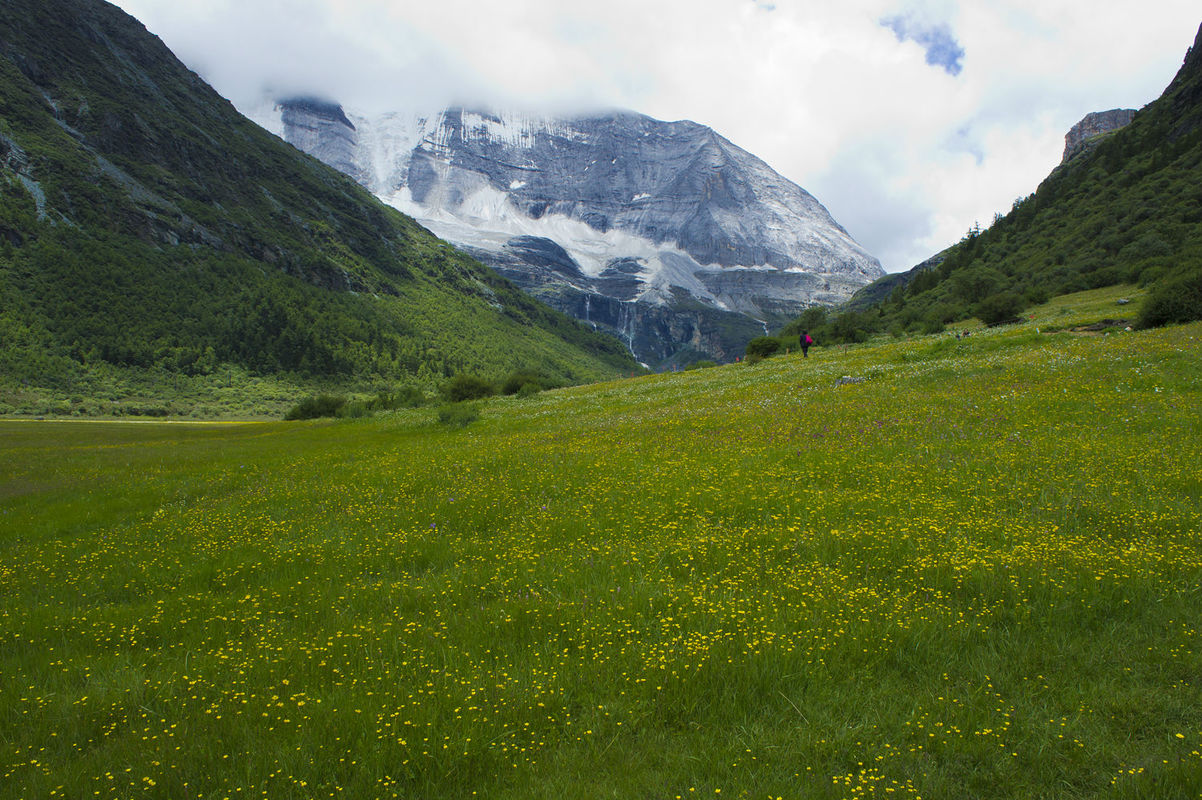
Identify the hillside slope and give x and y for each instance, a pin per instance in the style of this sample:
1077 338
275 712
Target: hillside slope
146 225
1125 209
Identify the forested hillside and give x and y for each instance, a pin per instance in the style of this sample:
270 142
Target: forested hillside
146 226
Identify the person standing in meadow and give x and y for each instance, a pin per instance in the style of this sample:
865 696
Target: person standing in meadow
805 341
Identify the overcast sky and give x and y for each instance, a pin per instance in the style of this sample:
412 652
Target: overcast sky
908 119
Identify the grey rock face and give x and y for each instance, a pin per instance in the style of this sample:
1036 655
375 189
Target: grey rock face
322 130
588 211
1092 125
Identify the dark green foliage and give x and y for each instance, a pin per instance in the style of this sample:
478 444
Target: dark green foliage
812 319
467 387
528 390
932 322
998 308
702 364
1173 300
145 225
458 415
851 326
405 397
974 284
356 409
762 347
519 380
322 405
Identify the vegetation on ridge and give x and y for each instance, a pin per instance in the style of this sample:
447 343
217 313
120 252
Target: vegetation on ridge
1127 210
149 234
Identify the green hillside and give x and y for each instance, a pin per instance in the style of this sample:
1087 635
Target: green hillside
1126 210
149 233
925 568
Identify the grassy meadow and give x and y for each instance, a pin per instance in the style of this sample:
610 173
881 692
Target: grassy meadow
975 570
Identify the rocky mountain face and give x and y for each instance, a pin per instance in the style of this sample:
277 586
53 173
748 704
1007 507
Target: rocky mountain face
664 233
1092 125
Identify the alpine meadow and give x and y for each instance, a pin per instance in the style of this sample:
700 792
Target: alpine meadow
951 550
922 568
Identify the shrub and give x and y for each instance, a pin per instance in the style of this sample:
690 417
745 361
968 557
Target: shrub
812 319
702 364
322 405
976 283
354 410
467 387
851 327
517 380
762 347
1173 300
458 415
405 397
529 390
999 308
931 323
1036 295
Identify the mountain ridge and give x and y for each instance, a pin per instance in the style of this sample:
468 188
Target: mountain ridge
146 224
1124 209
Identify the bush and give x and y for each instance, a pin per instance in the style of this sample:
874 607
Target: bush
702 364
405 397
812 319
1173 300
851 327
762 347
354 410
529 390
467 387
999 308
458 415
522 378
931 323
1036 295
322 405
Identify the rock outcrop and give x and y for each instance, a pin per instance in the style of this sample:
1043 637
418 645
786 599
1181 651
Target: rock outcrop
1093 125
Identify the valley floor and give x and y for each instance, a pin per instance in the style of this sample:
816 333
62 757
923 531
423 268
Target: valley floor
975 571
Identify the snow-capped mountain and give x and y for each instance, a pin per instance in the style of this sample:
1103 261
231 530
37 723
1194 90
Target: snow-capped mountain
664 232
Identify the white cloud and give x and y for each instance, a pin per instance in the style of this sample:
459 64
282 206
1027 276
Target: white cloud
905 154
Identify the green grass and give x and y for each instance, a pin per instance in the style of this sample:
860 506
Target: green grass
975 573
1084 308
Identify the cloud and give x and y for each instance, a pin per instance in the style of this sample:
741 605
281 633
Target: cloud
326 48
937 40
907 157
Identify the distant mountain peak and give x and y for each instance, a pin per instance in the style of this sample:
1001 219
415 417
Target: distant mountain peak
664 215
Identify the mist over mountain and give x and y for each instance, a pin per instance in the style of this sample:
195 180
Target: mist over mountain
665 233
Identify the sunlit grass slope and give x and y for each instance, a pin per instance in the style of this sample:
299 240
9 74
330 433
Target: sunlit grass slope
976 572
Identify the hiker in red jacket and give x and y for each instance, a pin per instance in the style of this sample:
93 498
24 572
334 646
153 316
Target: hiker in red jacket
805 341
